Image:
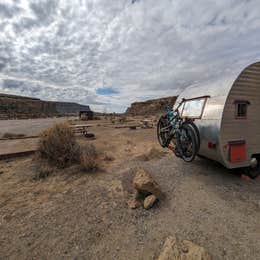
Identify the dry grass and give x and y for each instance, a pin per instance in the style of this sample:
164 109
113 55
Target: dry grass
108 158
58 146
43 171
89 158
154 153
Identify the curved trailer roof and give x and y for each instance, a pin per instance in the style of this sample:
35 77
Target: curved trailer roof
215 87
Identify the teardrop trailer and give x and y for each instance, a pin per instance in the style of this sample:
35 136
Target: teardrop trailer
225 115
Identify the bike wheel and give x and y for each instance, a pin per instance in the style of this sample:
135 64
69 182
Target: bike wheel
188 143
196 132
162 133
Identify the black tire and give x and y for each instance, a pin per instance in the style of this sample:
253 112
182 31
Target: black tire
189 148
253 172
197 134
162 137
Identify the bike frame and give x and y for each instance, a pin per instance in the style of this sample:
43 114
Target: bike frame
172 116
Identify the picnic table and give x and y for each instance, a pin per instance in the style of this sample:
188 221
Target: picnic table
82 129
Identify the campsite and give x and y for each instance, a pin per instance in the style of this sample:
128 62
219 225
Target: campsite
74 214
129 130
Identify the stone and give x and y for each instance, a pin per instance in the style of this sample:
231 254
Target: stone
170 249
185 250
149 201
133 203
193 252
143 182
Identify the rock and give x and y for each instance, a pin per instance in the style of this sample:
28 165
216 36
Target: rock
89 135
139 196
143 182
185 250
193 252
170 249
133 204
149 201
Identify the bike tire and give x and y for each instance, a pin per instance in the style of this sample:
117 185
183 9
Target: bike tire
197 134
162 139
190 131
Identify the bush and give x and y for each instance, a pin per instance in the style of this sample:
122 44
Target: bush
89 158
42 172
58 145
108 158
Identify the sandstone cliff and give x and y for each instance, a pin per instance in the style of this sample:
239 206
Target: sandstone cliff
12 106
150 107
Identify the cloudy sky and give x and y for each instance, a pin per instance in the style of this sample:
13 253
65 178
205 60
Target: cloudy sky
109 53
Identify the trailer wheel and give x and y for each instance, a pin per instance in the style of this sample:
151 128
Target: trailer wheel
254 170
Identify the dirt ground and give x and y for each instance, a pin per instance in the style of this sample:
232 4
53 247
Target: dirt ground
77 215
29 127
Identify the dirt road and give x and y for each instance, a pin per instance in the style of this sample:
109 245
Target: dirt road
75 215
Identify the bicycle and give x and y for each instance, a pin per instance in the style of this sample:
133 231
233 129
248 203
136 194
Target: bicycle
182 133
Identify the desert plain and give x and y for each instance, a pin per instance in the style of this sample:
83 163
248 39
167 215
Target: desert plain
72 214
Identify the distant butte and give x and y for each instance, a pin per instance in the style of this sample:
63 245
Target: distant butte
13 106
149 107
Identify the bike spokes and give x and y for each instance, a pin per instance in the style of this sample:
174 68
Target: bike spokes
183 134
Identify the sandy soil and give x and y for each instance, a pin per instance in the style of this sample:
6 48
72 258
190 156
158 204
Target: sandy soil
76 215
29 127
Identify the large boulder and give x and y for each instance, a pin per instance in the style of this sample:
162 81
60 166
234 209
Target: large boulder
144 183
149 201
185 250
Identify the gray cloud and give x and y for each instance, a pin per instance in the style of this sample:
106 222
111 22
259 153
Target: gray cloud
65 49
8 11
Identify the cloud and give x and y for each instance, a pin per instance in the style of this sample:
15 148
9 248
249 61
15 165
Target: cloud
65 50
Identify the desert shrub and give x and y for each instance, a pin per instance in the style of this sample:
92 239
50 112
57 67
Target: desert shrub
42 171
108 158
58 146
89 158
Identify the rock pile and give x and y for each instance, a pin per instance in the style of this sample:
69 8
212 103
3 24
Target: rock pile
184 250
147 190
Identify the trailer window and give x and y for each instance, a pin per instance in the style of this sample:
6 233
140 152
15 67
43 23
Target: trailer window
241 109
193 108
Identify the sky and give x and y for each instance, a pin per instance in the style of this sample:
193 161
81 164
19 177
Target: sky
110 53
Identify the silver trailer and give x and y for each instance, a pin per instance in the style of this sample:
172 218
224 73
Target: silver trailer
227 114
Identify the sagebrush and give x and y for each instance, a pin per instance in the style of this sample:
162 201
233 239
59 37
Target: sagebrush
89 158
58 145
